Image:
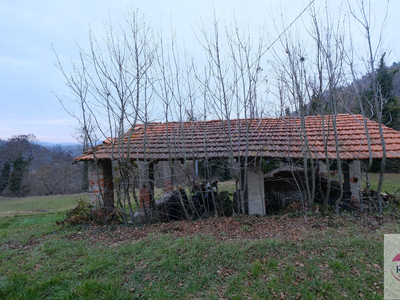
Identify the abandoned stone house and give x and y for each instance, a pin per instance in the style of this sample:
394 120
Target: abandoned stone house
246 141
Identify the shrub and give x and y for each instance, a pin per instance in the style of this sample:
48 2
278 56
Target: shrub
82 213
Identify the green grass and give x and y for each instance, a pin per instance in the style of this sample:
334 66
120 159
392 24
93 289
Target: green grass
227 186
39 203
22 227
391 182
41 260
163 267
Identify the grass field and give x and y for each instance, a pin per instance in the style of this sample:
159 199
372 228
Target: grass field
39 203
42 260
391 182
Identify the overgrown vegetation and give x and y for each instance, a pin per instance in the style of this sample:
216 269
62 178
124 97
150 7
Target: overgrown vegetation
138 79
333 261
215 169
80 214
269 165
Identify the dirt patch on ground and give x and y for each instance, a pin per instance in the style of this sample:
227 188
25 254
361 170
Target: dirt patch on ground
287 226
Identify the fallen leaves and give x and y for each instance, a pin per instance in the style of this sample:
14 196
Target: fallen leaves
285 226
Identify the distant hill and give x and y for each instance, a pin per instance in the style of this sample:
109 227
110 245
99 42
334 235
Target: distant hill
396 80
31 168
74 148
47 144
366 82
350 102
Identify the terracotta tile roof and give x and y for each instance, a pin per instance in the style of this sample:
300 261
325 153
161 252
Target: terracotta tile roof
266 137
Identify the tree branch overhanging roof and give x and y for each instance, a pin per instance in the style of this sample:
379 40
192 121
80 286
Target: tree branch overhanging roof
259 137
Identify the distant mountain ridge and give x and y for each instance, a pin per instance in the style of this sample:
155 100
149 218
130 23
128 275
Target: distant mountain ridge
74 148
49 144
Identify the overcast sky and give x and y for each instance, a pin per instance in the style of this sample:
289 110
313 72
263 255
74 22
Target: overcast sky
28 29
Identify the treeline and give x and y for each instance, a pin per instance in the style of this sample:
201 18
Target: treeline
27 169
387 83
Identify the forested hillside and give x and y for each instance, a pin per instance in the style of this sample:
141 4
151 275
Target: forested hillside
388 81
396 79
349 96
27 168
357 96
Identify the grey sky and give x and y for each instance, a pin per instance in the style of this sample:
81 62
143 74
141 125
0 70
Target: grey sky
28 28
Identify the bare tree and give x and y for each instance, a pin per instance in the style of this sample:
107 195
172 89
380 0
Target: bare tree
133 77
231 84
113 87
361 13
